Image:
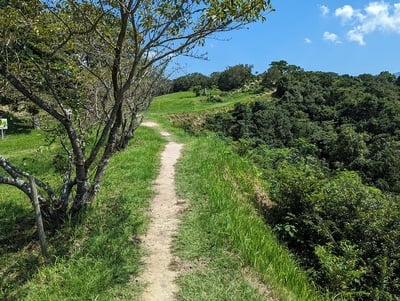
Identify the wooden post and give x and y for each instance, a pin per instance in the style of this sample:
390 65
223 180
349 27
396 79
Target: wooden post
38 215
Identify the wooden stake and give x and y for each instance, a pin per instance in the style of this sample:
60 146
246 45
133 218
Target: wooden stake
38 215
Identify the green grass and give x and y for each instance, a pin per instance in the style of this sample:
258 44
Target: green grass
96 259
19 248
187 102
189 106
32 153
223 231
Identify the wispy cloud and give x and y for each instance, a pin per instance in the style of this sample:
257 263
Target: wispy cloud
332 37
307 40
376 16
324 10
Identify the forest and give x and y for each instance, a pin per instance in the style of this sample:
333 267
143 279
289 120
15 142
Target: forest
329 146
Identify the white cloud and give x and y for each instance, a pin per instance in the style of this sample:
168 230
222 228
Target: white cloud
376 16
346 12
324 10
329 36
355 36
307 40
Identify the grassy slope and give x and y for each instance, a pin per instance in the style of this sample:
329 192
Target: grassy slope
99 258
187 102
223 239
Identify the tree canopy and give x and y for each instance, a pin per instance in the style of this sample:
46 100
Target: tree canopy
234 77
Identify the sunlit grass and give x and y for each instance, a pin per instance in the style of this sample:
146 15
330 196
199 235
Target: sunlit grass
185 102
222 220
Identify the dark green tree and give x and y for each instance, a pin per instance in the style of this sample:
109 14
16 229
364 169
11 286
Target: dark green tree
187 82
276 70
234 77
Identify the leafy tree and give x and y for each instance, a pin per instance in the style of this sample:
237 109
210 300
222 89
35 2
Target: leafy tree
350 146
234 77
214 78
187 82
340 227
93 68
276 70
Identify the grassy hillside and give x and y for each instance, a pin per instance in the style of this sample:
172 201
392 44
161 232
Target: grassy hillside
181 107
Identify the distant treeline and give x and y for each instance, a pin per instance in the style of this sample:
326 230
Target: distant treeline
232 78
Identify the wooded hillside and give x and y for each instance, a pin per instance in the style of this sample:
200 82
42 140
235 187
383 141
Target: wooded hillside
329 146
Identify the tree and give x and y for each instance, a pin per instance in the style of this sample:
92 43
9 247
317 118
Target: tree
276 70
186 82
234 77
93 68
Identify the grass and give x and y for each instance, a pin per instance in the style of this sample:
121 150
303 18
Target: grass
223 231
96 259
183 102
187 102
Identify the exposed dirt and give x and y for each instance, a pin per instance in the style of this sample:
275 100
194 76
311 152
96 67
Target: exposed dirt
159 276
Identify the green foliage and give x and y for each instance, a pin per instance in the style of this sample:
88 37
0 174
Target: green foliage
214 98
354 122
319 126
275 72
234 77
339 227
190 81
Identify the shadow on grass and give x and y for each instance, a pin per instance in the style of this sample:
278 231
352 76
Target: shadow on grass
18 248
16 125
97 248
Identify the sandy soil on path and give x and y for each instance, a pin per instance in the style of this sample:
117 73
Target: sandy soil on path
165 208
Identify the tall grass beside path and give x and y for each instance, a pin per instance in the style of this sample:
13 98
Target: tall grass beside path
222 220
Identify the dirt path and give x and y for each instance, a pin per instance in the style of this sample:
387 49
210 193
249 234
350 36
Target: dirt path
164 213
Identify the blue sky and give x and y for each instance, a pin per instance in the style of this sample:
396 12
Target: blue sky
346 37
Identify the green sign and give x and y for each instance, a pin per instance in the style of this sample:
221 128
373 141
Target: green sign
3 124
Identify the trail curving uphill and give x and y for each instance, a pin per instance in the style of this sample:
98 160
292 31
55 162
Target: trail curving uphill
158 277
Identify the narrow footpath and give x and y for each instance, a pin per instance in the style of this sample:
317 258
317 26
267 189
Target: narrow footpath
158 277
